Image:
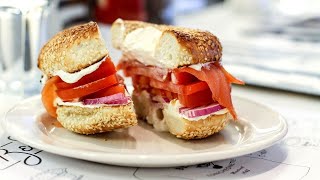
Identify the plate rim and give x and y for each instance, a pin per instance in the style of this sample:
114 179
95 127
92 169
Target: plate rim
134 160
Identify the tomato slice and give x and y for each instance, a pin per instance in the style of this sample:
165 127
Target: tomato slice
183 78
48 95
105 69
180 89
83 90
119 88
200 98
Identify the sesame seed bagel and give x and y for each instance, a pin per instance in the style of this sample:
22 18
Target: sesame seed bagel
176 47
166 120
96 120
72 50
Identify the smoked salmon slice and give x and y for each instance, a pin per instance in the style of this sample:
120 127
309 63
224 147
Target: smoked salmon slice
219 82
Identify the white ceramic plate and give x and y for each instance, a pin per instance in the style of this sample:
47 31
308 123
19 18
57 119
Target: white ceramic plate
141 146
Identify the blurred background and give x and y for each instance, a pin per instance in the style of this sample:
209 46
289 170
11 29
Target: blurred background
267 43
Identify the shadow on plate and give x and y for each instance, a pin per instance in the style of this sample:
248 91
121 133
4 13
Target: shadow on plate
233 134
142 136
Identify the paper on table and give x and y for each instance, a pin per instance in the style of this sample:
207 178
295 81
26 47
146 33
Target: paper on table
35 164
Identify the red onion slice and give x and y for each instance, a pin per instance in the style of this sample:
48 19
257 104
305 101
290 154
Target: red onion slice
124 100
118 98
200 111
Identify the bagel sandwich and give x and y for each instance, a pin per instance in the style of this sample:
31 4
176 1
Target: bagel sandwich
81 86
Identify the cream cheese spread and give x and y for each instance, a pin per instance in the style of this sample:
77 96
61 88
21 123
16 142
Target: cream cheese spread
59 102
199 66
141 43
44 79
74 77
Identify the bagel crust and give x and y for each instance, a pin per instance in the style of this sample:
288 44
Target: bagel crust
72 50
84 120
176 47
